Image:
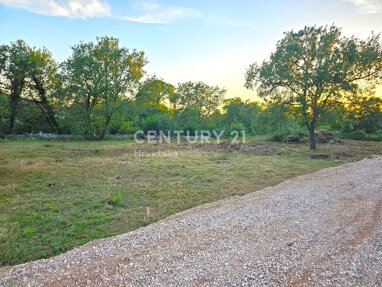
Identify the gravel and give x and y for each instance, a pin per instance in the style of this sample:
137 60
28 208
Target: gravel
321 229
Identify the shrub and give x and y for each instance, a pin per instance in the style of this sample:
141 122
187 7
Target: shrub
115 198
235 126
78 128
157 122
127 127
356 135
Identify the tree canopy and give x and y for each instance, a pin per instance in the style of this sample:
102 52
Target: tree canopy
28 73
315 66
13 71
98 75
316 78
197 96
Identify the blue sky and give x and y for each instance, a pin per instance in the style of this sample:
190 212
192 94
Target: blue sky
212 41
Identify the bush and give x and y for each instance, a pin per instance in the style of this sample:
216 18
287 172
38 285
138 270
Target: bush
273 119
78 128
127 127
189 121
235 126
356 135
157 122
29 119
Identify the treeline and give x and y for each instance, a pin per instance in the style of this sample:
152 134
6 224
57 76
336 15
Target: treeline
103 88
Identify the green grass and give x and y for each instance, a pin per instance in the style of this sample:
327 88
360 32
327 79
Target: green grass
58 195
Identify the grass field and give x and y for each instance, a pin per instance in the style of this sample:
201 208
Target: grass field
58 195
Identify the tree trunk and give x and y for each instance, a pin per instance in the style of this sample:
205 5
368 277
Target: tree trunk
49 114
14 100
11 124
106 127
312 138
87 109
45 106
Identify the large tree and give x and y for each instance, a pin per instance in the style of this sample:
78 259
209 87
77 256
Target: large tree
28 74
199 97
153 97
154 92
14 65
98 76
43 82
238 112
315 66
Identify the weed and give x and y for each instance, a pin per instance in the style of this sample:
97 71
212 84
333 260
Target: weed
115 198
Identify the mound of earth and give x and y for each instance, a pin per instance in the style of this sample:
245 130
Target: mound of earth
230 146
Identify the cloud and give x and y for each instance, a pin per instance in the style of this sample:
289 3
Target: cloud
145 12
71 8
367 6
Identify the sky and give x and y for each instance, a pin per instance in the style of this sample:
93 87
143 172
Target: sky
213 41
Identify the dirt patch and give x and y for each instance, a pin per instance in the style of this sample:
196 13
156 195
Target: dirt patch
229 146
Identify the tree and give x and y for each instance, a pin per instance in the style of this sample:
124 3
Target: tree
3 112
98 76
275 119
43 82
314 66
154 92
365 115
27 74
14 63
198 96
238 112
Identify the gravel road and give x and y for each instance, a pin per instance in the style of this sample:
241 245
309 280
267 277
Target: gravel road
321 229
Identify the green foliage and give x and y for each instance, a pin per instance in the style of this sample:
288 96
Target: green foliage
158 122
30 119
14 66
239 115
44 83
199 97
29 231
98 76
78 128
189 120
28 74
316 65
355 135
101 88
125 127
153 93
365 115
3 112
